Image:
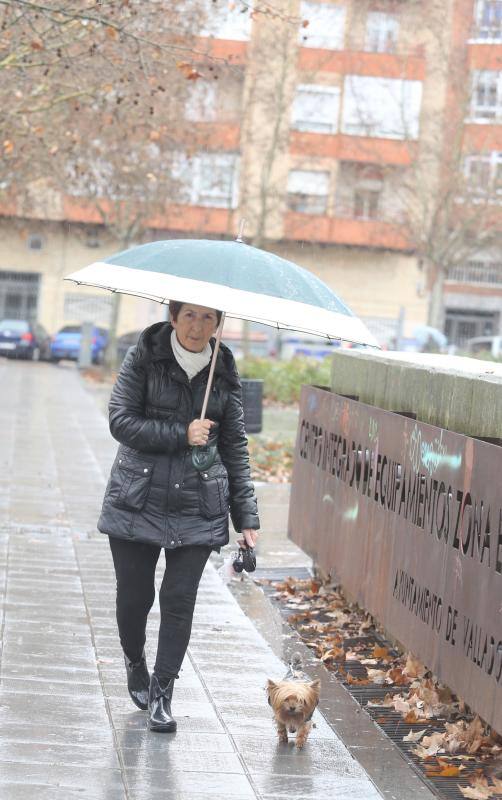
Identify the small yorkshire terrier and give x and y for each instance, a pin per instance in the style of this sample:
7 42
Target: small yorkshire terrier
293 701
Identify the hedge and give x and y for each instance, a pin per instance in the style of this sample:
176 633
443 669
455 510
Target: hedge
282 380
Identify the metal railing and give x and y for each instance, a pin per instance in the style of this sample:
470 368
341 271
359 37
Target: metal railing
476 272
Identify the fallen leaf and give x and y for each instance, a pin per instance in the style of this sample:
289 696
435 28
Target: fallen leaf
414 737
479 789
377 676
380 653
334 654
413 667
401 705
443 771
365 626
434 743
397 677
420 752
357 681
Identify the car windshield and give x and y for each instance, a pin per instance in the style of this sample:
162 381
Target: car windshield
17 325
71 329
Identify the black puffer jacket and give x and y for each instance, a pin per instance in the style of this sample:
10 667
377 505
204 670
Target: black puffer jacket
154 494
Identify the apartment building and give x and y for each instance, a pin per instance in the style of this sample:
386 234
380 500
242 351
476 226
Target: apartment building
326 126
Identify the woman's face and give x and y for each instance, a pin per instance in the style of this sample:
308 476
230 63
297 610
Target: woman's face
195 326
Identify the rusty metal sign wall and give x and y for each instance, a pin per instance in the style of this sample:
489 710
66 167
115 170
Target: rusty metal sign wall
408 518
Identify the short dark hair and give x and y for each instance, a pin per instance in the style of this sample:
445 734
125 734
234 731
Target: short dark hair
175 308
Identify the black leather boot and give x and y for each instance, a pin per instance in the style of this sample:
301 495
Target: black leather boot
138 681
159 705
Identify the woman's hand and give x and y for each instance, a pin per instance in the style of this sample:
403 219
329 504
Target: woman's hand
198 431
249 538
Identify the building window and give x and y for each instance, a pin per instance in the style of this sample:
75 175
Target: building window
227 19
35 242
488 20
486 99
207 179
360 190
19 293
381 107
366 202
81 307
484 174
316 108
368 186
308 191
382 31
200 105
326 25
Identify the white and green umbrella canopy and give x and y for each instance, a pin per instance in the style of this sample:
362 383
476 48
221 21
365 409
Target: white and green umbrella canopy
240 280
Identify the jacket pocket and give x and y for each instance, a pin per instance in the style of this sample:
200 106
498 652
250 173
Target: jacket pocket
213 492
130 482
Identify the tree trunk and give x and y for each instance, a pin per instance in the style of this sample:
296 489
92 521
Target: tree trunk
436 309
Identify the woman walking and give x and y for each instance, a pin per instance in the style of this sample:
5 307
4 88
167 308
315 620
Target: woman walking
156 499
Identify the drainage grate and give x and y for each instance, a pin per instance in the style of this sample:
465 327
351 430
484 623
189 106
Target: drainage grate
390 722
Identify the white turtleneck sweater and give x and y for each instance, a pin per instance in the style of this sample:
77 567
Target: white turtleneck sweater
192 363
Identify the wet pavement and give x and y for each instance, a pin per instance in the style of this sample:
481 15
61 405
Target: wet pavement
67 727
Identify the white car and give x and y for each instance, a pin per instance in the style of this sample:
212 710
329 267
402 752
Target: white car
483 344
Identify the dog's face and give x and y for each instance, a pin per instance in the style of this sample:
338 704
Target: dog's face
293 701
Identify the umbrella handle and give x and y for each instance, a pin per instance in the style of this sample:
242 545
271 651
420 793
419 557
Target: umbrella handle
204 457
213 364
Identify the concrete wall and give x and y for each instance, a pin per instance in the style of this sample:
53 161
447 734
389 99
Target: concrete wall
461 394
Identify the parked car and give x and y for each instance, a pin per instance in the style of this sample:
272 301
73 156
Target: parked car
21 338
66 344
491 345
124 342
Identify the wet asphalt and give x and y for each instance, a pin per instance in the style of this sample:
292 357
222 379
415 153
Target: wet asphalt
67 727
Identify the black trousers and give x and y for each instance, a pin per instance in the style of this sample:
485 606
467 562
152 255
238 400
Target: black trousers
135 564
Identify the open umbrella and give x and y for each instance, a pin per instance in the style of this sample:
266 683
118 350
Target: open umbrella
239 280
425 333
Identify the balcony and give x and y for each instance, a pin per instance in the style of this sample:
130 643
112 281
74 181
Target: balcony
200 219
353 148
350 232
479 273
213 136
482 57
344 62
228 49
